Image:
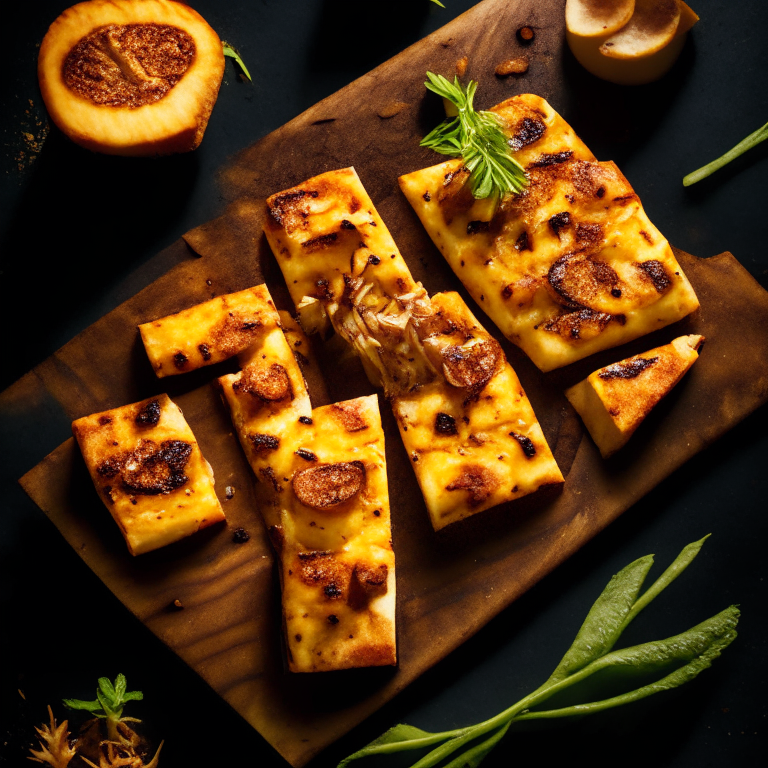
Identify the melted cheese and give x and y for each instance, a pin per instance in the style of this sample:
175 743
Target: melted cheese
207 333
336 563
613 401
431 356
569 267
148 469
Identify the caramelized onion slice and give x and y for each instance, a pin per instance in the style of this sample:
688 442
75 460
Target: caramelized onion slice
327 485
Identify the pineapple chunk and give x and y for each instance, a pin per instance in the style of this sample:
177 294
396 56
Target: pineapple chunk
613 401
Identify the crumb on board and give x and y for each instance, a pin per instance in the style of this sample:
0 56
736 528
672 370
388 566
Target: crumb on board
516 66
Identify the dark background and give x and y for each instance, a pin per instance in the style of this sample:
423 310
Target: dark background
77 235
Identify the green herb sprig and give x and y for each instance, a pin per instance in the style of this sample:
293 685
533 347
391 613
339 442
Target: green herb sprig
689 653
761 134
233 54
110 700
478 138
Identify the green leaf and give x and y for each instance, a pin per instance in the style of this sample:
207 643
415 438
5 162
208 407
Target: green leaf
109 709
108 691
437 2
94 707
698 648
233 54
476 137
397 739
120 685
475 755
605 621
133 696
761 134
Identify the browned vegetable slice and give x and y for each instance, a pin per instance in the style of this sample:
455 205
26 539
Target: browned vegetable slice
328 485
131 78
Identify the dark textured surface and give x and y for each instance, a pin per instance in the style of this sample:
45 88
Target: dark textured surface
78 234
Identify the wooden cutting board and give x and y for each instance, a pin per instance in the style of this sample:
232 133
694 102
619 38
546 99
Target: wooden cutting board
449 584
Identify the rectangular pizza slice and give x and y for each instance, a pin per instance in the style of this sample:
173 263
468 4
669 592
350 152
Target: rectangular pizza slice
322 491
148 469
431 356
570 266
206 333
472 436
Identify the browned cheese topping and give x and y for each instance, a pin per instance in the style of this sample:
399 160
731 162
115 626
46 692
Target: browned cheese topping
150 470
472 367
478 482
271 383
128 65
628 369
327 485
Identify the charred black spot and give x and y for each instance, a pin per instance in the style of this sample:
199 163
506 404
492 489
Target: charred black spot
240 536
655 271
205 351
332 591
305 420
306 455
104 420
627 369
529 449
347 224
554 158
149 415
427 197
179 359
375 260
264 443
445 424
560 221
282 203
528 131
320 242
523 242
477 226
600 192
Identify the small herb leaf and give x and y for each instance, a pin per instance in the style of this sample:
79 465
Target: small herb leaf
477 137
233 54
94 707
120 686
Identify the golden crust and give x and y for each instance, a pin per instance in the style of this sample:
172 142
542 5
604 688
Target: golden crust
209 332
613 401
569 267
148 469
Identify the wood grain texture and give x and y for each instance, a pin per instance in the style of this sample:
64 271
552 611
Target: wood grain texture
449 584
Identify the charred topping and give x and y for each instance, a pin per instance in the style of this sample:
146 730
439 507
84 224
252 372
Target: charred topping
264 443
150 470
205 351
506 291
572 324
327 485
305 420
529 131
529 449
523 242
373 259
332 619
478 226
560 221
270 384
472 367
179 359
578 279
285 203
104 420
627 369
347 224
427 197
319 242
323 291
240 536
554 158
600 192
269 475
149 414
367 582
306 455
445 424
655 271
589 234
350 417
332 591
478 482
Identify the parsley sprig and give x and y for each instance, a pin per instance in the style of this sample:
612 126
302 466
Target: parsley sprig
110 700
668 663
477 137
